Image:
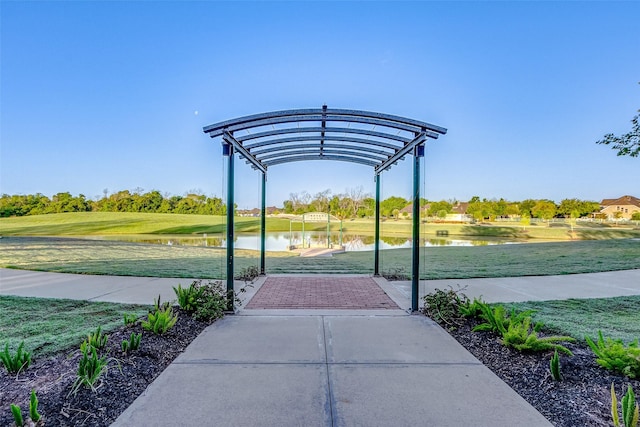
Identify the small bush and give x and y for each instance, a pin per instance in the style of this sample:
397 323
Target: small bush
160 321
189 298
444 306
521 336
472 308
17 362
615 356
248 275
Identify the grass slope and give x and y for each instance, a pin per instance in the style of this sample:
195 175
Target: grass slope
617 318
51 325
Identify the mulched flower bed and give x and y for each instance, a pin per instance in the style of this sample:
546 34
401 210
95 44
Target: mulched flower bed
128 376
582 399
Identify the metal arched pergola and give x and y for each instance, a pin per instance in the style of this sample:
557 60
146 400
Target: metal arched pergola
362 137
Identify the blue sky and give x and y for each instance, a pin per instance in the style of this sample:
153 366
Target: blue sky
114 95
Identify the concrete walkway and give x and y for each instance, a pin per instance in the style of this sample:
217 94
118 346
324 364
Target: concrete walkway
326 367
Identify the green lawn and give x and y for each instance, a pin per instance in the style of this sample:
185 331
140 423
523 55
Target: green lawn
120 223
617 318
48 326
73 255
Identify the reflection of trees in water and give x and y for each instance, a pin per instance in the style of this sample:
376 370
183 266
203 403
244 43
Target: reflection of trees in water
394 241
355 241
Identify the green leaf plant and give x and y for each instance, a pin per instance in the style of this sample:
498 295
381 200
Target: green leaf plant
161 320
90 368
630 409
554 366
17 415
523 337
190 298
14 363
97 339
36 418
130 319
132 344
614 355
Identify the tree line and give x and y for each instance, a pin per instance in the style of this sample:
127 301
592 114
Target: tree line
354 203
121 201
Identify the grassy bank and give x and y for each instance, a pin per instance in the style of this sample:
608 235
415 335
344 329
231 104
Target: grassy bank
110 224
617 318
48 326
73 255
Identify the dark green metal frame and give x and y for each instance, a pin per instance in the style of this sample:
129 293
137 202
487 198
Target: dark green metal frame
381 147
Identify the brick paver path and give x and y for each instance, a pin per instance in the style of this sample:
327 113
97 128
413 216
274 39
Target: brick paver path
320 292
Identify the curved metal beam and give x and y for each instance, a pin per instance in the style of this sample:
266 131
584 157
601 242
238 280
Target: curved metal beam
373 119
337 138
317 146
319 157
285 131
378 159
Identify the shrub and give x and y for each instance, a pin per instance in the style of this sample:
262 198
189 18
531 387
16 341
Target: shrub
248 275
161 320
16 362
615 356
214 302
521 336
630 409
189 298
132 344
496 319
472 308
443 306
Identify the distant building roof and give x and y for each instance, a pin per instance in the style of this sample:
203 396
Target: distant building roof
624 200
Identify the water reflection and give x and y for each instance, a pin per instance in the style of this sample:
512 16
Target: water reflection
283 241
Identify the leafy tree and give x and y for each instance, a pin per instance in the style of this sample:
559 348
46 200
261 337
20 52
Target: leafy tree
387 206
627 144
544 209
436 208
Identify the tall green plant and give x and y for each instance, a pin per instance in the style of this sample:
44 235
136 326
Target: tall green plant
90 368
15 363
554 366
630 409
16 411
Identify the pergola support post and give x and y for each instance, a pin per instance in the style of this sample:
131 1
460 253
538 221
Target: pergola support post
376 237
415 245
227 150
263 224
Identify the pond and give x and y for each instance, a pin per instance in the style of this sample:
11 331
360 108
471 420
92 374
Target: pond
282 241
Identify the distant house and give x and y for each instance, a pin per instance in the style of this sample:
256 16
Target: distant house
459 212
620 208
